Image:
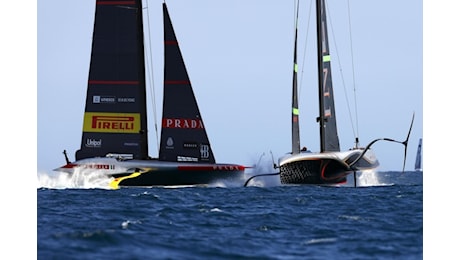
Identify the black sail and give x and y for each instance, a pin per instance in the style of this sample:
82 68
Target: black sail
183 135
418 158
295 101
115 119
327 118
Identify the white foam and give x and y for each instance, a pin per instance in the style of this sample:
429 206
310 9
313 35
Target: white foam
321 240
80 179
369 178
263 166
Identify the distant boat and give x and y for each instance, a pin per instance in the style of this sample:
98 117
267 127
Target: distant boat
115 130
418 158
330 165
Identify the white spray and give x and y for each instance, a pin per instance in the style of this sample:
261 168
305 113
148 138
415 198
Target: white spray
80 179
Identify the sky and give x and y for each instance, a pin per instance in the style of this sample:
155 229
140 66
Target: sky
239 58
238 54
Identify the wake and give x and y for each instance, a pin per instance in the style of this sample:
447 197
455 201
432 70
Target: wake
263 166
97 179
365 178
81 179
369 178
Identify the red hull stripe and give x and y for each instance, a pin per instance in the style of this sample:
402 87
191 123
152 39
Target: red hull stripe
177 82
113 82
69 166
212 168
99 2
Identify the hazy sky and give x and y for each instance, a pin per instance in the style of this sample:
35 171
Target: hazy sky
239 59
239 56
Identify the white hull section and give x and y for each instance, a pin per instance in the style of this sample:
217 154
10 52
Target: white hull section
337 156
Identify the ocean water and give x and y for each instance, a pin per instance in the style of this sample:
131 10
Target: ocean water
78 218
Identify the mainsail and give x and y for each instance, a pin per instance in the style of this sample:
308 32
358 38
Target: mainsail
115 119
327 118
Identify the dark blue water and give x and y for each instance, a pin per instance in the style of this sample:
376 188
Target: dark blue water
256 222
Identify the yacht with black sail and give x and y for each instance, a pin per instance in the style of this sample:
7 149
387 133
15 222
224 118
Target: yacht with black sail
418 157
330 165
115 129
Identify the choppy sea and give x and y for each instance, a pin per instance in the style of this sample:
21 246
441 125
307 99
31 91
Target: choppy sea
382 218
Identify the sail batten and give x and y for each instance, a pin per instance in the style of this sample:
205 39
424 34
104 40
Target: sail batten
112 2
177 82
113 82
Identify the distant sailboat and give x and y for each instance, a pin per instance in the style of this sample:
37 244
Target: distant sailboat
418 158
115 120
330 165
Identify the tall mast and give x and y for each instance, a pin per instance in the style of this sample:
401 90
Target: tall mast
329 138
319 44
295 103
142 91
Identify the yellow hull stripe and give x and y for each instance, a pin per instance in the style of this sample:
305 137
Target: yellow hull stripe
114 184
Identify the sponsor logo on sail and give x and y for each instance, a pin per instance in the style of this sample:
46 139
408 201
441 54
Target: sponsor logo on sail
111 99
103 99
182 123
169 143
126 100
204 151
131 144
111 122
186 159
93 143
190 145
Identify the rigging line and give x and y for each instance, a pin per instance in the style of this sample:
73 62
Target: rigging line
341 72
353 73
305 48
295 11
150 75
